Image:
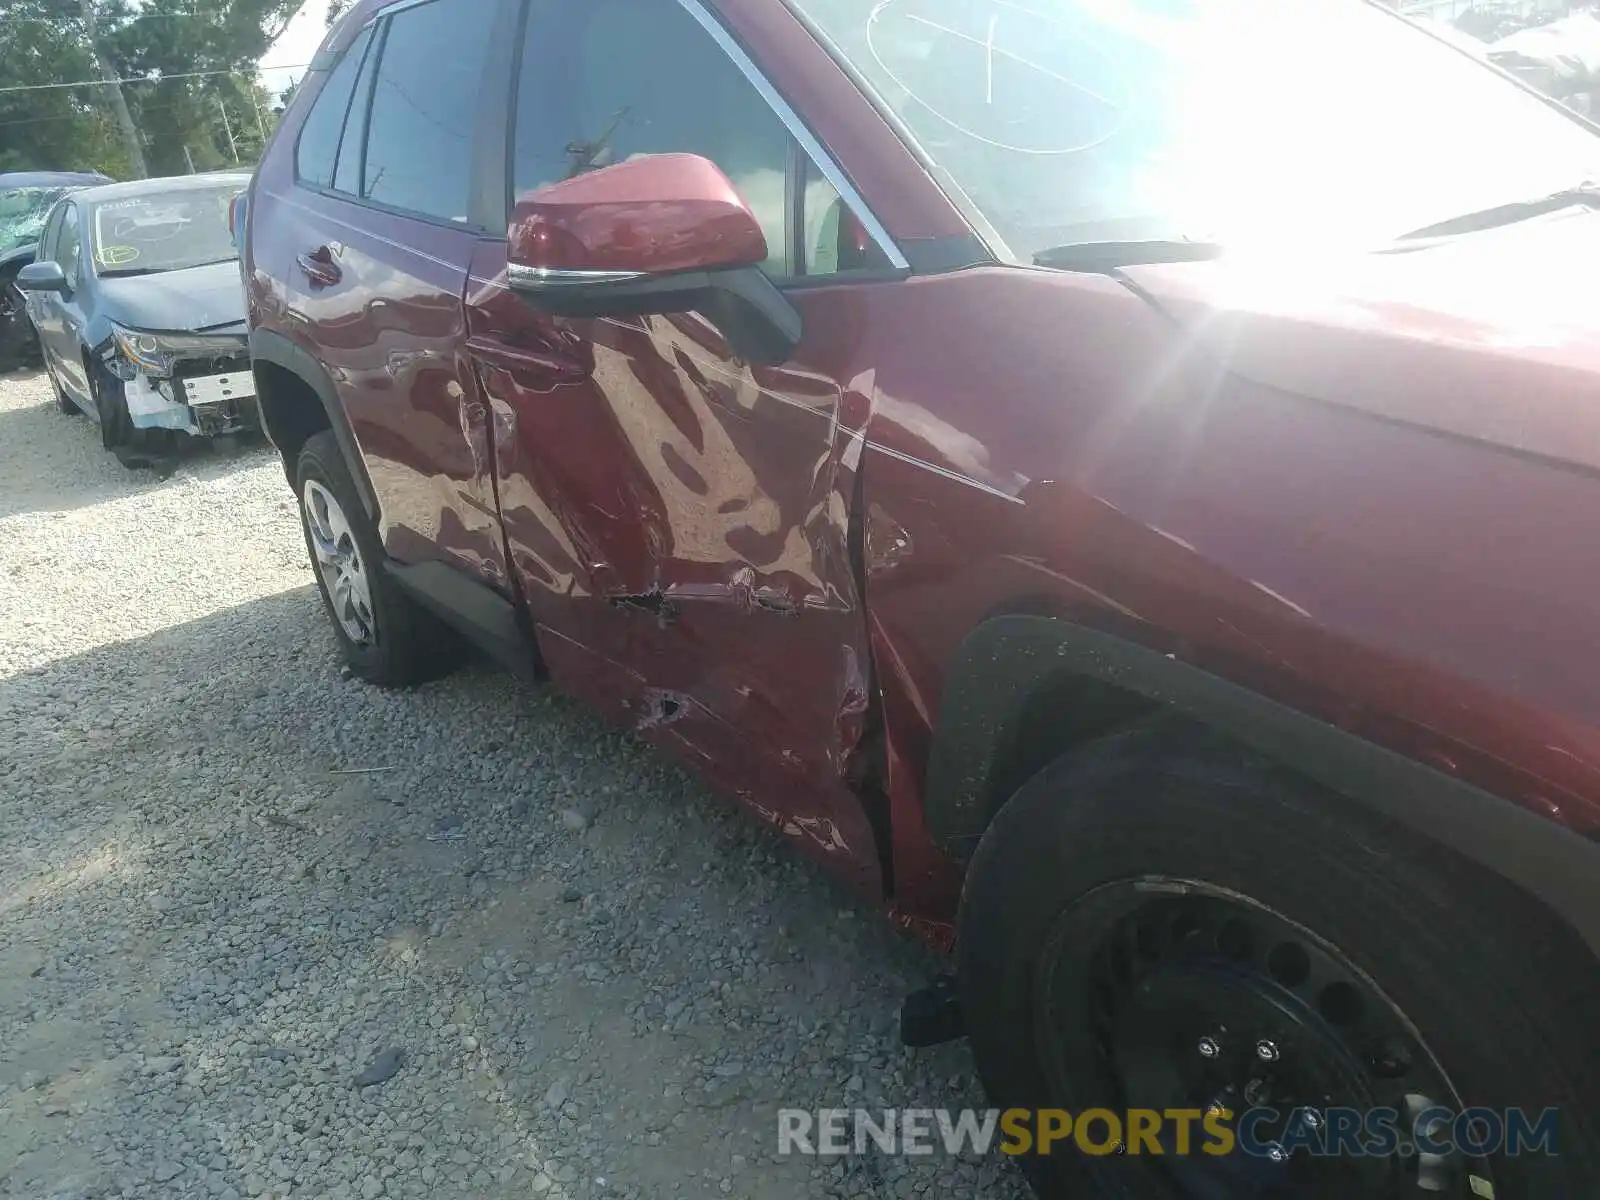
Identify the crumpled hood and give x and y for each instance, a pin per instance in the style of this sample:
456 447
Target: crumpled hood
1492 335
22 253
199 299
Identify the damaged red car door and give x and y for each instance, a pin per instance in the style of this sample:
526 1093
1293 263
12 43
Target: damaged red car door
679 518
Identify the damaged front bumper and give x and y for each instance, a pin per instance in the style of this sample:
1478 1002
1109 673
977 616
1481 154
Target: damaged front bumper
199 384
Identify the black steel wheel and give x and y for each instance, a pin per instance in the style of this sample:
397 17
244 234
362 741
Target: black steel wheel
1161 921
1170 994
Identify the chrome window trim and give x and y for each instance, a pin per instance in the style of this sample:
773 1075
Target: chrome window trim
798 130
388 10
952 190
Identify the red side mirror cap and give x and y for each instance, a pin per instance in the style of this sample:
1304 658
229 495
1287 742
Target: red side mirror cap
653 215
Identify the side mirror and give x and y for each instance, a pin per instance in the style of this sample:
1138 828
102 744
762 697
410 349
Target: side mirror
42 277
663 233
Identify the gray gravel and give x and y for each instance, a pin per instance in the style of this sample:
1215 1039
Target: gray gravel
268 932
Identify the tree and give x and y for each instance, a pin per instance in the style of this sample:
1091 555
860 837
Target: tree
183 63
54 127
90 11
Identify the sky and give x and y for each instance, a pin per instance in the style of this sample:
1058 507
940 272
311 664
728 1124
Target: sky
284 63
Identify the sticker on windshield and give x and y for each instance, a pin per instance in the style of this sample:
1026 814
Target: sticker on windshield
980 69
165 231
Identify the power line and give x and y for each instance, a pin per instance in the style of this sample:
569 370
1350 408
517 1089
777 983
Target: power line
142 16
34 87
86 116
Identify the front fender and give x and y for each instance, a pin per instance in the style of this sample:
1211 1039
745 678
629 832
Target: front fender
97 334
1005 661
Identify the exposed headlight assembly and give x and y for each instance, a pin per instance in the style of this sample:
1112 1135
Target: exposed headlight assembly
155 353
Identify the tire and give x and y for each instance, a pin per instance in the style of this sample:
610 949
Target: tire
32 349
1500 999
394 642
63 404
116 423
18 345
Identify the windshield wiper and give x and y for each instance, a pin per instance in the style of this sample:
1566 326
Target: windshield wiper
586 156
1586 194
125 272
1104 257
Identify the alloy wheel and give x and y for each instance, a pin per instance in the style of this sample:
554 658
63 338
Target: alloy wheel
340 563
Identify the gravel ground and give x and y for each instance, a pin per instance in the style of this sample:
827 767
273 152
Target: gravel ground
588 976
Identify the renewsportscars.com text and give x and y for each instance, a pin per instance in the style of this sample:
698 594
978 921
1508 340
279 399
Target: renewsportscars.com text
1258 1132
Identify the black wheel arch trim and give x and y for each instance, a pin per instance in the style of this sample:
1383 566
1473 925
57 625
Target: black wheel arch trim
275 348
494 624
1003 660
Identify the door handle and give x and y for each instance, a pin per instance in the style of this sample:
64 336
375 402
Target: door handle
318 266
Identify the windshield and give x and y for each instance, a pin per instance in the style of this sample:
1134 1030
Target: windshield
163 231
1235 121
22 214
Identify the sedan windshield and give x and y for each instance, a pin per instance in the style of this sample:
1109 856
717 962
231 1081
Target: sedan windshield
162 231
22 214
1227 121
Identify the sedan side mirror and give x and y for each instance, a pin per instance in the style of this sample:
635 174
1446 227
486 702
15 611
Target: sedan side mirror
663 233
42 277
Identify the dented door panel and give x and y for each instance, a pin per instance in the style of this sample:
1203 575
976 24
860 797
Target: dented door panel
389 332
679 525
575 535
761 627
754 548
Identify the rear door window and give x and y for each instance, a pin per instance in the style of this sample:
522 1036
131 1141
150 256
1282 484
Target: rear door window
425 93
318 146
347 172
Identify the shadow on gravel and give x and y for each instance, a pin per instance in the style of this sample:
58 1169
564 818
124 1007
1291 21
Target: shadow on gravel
232 880
51 461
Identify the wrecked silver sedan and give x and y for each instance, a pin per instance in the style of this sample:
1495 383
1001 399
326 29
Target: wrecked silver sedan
137 299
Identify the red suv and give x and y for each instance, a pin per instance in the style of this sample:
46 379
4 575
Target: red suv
1115 480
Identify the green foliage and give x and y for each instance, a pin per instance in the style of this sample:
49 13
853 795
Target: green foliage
55 128
75 128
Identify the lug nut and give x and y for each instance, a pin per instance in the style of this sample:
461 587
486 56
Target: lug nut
1266 1051
1277 1153
1391 1060
1311 1117
1209 1048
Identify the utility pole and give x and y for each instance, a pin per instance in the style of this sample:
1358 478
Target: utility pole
228 125
255 103
119 103
189 158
